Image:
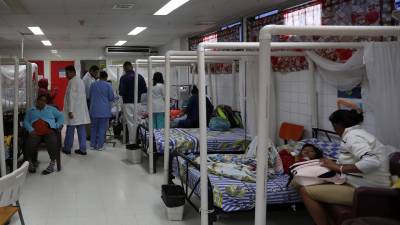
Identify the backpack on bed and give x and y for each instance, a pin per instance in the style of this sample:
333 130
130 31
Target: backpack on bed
228 114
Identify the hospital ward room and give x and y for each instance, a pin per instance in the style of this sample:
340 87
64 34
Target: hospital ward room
200 112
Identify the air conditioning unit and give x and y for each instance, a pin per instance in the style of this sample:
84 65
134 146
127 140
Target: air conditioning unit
13 6
129 50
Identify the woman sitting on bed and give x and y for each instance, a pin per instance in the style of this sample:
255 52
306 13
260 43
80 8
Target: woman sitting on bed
192 111
362 159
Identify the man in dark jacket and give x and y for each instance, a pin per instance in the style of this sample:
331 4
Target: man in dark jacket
127 92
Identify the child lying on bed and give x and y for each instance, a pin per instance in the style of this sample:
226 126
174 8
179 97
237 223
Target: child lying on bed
307 152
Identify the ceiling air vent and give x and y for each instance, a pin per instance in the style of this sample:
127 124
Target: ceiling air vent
124 6
128 50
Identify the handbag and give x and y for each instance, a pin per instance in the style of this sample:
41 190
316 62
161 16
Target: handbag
312 173
219 124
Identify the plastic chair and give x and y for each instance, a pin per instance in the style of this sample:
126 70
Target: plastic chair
291 132
59 147
10 192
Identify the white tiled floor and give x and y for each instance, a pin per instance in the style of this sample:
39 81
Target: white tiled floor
101 189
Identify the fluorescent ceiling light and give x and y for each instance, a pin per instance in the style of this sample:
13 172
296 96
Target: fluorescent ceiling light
137 30
46 43
120 43
169 7
36 30
54 51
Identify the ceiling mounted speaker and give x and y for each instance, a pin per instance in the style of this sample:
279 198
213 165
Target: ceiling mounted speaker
205 23
15 6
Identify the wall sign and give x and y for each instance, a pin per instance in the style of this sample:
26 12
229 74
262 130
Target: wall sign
61 73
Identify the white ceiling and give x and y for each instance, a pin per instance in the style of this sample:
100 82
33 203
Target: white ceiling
104 26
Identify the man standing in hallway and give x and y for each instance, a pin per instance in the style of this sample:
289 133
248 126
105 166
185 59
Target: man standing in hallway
127 91
88 79
76 112
102 96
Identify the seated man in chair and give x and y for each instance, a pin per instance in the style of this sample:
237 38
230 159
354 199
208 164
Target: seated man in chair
42 122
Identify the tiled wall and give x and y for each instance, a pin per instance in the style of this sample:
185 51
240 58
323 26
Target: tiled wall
294 104
327 96
227 91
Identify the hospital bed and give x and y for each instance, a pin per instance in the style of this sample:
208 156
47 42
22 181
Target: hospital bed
229 195
186 141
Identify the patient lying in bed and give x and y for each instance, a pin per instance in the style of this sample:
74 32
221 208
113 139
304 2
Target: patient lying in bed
307 152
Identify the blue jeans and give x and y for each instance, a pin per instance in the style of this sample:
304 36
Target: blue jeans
69 137
158 120
98 132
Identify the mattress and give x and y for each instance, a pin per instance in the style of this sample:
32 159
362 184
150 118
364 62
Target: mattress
231 195
187 140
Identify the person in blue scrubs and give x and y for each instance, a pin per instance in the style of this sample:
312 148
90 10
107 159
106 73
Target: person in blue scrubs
101 96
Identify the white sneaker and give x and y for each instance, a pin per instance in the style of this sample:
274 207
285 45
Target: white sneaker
101 149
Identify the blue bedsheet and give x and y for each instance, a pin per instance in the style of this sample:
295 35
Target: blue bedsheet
187 140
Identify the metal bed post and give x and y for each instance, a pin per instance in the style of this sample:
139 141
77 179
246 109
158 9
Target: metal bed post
235 86
203 136
167 117
3 171
15 116
242 91
150 110
313 93
210 84
264 77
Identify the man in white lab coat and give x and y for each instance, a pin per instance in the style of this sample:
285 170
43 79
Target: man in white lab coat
76 112
89 78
